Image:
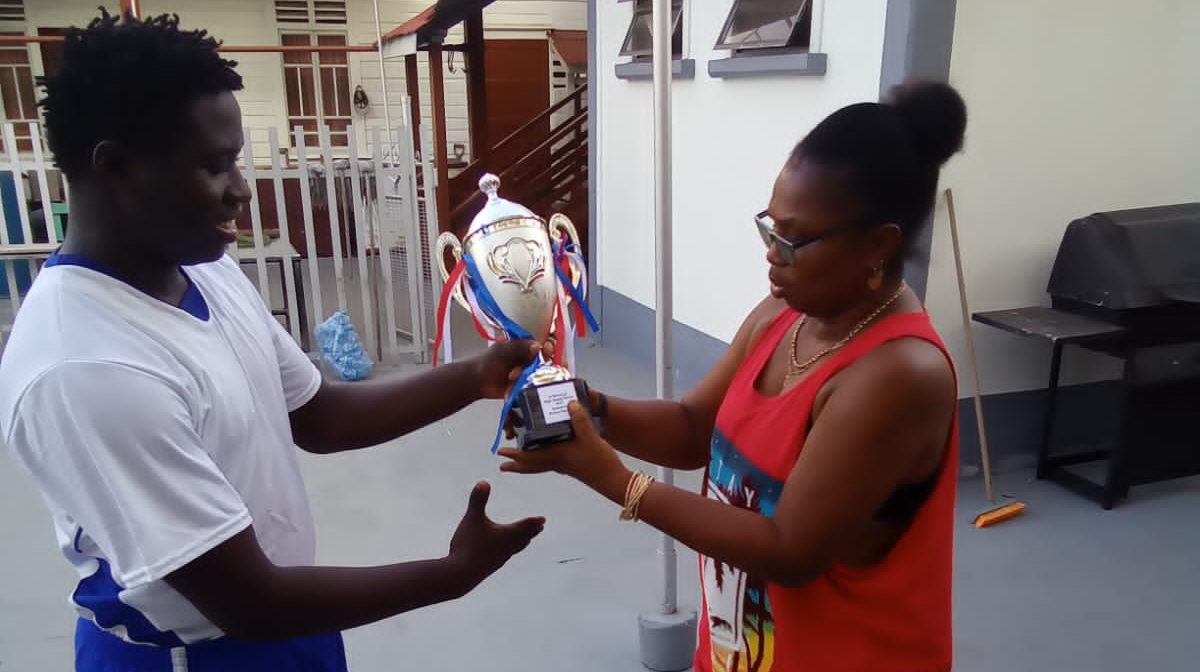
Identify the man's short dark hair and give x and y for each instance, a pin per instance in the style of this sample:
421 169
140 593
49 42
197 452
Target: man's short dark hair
127 80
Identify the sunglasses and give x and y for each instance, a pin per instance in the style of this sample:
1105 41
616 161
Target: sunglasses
787 248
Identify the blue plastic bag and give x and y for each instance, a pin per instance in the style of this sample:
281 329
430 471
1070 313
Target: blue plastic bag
341 349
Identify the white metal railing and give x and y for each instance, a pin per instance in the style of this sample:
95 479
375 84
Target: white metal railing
373 206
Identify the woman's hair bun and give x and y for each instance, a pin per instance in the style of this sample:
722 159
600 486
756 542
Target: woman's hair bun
935 115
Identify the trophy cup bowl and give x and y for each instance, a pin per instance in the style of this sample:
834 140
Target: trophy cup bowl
510 268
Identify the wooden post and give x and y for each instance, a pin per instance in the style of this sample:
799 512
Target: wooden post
481 145
412 86
437 90
132 7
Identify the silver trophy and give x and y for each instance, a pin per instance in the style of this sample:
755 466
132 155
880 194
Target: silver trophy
513 279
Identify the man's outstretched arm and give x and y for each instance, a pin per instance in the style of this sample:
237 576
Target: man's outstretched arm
348 416
238 588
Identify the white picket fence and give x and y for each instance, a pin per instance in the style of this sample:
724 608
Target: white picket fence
376 267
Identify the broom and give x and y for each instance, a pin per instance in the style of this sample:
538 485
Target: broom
993 513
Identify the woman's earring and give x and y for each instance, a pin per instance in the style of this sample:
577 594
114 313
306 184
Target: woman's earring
876 280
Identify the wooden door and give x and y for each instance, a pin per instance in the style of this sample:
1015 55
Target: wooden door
517 85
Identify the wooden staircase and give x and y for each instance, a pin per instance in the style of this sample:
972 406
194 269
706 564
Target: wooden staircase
541 166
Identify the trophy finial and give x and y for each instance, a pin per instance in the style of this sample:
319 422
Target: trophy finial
490 185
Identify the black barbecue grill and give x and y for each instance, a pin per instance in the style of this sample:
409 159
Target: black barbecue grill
1126 283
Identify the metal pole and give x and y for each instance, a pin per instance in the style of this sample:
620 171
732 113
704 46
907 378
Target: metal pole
664 370
387 114
667 638
374 224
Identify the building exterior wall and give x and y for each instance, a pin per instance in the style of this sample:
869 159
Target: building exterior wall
731 138
252 22
1087 111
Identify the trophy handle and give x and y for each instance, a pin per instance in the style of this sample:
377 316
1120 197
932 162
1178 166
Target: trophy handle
449 240
560 222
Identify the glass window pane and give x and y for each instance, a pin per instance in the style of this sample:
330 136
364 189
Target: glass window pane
291 82
297 57
762 23
332 57
328 93
8 91
308 92
639 41
311 139
338 135
14 54
342 79
28 97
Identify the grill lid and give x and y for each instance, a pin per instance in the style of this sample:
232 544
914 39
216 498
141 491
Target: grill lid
1127 259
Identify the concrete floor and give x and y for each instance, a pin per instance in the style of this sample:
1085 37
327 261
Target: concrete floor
1065 587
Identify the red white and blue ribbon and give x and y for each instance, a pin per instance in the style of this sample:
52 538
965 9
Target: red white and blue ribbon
443 338
572 297
572 317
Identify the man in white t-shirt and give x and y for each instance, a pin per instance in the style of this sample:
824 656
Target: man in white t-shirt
156 403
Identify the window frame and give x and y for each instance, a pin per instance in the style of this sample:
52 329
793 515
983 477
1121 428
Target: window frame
313 14
22 83
339 138
643 8
790 45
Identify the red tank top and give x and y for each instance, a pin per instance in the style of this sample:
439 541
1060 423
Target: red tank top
894 616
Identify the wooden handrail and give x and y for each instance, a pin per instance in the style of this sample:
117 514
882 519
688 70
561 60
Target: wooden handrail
544 115
563 130
528 171
572 161
576 126
557 194
497 149
566 157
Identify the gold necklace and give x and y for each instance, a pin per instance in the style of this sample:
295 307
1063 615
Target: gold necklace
797 367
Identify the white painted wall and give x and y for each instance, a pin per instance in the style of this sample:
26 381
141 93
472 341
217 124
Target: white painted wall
58 14
504 19
731 138
252 22
1072 111
233 21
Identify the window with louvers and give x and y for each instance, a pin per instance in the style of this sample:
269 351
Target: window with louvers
12 10
310 12
318 87
317 83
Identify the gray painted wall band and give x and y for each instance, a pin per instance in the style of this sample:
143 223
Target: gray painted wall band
629 329
1086 415
800 63
681 68
918 41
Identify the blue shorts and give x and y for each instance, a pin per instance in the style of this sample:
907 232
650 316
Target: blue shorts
99 651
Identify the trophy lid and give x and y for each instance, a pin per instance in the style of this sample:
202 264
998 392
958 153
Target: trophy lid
496 208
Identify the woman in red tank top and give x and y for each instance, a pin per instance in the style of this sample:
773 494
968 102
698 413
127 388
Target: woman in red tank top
828 428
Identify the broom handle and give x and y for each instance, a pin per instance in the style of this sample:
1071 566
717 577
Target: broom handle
970 335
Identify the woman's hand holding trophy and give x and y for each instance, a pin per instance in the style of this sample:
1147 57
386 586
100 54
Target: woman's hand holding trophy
522 279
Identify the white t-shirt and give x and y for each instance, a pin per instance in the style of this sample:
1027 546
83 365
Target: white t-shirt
154 434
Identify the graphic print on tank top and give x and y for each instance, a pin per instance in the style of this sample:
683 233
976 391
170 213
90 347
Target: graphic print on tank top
740 625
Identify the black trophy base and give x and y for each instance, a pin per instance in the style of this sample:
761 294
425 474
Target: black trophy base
540 413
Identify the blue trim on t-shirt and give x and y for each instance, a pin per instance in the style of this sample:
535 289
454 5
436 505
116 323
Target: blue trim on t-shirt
193 302
99 651
100 594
